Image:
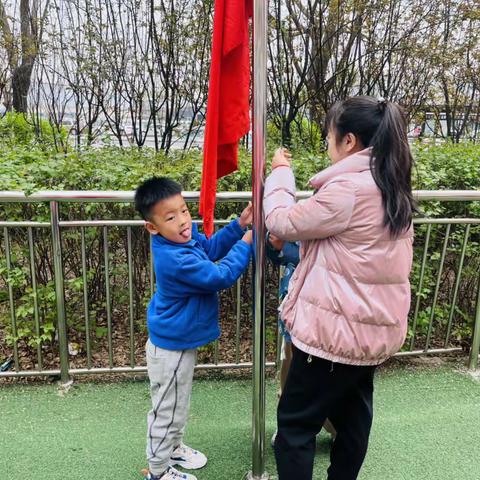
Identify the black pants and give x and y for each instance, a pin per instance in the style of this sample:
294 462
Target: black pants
317 389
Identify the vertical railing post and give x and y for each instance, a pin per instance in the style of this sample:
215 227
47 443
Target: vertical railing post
59 292
475 350
11 299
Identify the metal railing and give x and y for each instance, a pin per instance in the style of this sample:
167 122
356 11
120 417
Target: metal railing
421 329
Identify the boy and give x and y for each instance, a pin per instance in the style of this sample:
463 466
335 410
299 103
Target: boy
183 314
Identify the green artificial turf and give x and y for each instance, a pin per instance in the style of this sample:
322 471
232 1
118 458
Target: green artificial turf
426 426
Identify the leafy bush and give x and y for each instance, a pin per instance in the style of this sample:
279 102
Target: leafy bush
17 129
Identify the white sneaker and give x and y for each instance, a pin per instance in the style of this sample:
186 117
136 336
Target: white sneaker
187 457
170 474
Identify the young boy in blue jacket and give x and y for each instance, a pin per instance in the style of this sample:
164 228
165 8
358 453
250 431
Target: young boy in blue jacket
183 314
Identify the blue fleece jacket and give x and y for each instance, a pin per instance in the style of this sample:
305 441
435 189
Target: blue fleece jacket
183 312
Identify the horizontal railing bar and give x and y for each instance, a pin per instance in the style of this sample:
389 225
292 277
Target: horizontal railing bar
128 196
446 221
120 223
140 223
91 223
138 369
116 196
432 351
24 224
447 195
220 366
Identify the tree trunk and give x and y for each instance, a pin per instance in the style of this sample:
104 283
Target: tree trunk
21 79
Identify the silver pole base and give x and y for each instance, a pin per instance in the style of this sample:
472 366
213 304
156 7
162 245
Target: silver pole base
265 476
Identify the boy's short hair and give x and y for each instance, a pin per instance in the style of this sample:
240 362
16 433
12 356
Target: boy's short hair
152 191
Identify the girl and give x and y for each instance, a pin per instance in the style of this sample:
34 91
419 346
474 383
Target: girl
348 300
286 254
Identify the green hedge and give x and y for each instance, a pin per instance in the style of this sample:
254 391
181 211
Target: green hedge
28 162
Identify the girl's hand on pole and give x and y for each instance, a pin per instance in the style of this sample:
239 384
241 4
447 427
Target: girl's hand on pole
281 158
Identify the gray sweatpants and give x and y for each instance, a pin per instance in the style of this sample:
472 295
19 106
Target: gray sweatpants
170 373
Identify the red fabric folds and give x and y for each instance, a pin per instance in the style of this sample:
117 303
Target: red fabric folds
228 111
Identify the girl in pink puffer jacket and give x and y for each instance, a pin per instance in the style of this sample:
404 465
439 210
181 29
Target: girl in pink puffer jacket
348 301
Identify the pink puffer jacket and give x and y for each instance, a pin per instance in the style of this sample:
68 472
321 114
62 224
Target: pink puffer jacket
349 297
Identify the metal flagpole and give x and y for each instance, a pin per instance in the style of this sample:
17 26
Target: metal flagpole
258 180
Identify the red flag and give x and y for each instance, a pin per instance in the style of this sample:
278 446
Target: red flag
228 117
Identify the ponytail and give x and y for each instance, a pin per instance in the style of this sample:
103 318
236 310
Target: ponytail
391 165
381 125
